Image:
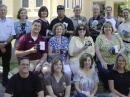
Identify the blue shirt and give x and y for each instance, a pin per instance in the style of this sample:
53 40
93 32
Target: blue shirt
18 29
62 48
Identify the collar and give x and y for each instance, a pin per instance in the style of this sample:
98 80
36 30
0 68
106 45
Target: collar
3 20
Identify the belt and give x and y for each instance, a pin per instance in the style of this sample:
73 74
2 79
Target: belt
126 41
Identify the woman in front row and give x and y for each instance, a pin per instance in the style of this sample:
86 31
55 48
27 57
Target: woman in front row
119 79
86 81
58 83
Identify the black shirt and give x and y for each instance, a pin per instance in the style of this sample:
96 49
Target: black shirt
66 21
44 27
24 87
94 25
121 81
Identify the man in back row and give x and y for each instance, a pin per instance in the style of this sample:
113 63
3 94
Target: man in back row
7 33
61 18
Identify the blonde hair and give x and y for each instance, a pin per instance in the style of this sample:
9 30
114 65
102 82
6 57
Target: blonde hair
57 25
126 61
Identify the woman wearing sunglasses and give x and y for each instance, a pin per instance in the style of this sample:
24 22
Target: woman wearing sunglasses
79 44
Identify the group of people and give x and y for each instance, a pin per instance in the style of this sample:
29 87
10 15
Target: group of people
53 56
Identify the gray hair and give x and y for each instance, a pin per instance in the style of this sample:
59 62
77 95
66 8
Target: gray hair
2 5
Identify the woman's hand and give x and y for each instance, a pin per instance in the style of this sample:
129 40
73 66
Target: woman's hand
104 64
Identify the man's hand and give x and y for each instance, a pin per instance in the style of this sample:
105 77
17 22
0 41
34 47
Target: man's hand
33 50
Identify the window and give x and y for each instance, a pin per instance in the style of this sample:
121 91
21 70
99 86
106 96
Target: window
66 3
0 1
80 3
73 3
76 2
25 3
39 3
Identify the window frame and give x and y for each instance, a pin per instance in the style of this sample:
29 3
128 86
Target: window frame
39 3
26 2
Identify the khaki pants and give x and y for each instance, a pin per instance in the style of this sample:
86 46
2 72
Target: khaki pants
33 64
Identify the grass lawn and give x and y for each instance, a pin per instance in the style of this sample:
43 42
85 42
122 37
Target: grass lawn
13 65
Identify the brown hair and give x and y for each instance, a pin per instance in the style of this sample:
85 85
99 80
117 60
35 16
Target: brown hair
22 58
42 9
84 58
85 27
18 15
55 61
105 25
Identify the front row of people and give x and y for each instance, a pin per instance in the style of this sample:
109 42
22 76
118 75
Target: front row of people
58 83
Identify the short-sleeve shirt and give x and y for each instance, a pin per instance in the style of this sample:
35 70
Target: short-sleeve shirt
66 21
94 25
124 26
6 29
78 21
24 87
58 87
121 81
105 45
56 46
87 81
26 42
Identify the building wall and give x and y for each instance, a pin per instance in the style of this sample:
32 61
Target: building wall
14 5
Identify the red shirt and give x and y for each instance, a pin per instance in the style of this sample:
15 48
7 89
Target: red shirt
26 42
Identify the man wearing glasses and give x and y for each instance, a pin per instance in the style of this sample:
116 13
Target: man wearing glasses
24 83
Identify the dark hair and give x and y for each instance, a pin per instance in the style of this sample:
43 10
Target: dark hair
108 7
60 7
38 21
84 58
22 58
85 27
55 61
126 9
18 15
104 25
43 8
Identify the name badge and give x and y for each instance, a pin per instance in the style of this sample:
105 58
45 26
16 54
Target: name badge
42 45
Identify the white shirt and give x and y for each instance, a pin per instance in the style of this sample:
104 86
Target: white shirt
113 22
6 29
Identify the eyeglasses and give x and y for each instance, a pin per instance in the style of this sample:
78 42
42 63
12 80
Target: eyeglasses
24 64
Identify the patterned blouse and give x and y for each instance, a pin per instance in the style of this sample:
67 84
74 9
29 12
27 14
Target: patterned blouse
105 45
60 47
87 82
